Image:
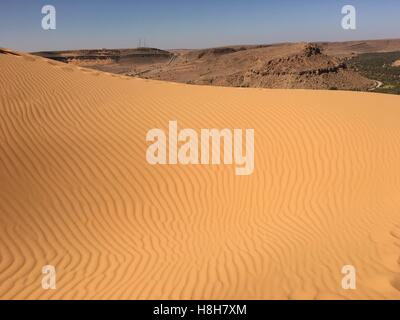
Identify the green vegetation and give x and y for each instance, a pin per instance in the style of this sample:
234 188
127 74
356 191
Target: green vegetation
378 66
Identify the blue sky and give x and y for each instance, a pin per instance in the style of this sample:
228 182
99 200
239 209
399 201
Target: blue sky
190 24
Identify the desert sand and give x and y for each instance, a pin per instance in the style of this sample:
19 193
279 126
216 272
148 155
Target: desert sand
77 193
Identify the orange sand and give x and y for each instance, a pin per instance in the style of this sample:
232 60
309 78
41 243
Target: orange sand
76 191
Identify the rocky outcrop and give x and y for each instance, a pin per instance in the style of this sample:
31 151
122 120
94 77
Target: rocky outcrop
310 62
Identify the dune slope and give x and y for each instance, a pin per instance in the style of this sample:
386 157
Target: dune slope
76 191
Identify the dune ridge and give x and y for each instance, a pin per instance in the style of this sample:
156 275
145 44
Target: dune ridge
76 191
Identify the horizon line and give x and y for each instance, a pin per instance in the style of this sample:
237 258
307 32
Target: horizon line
220 46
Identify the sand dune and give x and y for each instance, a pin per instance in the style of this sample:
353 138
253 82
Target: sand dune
76 191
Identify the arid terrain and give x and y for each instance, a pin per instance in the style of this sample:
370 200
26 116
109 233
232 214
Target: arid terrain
76 191
322 65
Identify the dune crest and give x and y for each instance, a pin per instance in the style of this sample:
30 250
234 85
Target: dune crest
77 192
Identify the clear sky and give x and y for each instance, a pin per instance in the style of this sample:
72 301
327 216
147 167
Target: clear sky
190 24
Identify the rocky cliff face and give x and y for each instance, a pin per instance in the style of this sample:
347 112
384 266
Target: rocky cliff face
310 68
311 61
